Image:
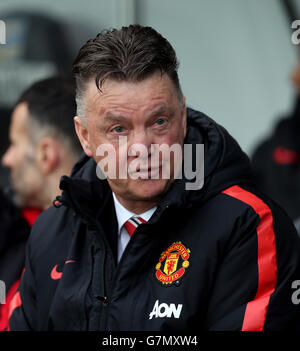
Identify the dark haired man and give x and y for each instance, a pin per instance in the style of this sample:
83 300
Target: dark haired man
43 142
43 147
143 252
276 159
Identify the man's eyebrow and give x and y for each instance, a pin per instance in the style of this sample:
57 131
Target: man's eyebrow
158 110
110 117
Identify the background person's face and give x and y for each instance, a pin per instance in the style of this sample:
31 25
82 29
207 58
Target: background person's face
25 177
146 112
295 78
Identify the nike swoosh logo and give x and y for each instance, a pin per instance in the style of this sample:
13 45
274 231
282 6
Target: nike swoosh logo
55 275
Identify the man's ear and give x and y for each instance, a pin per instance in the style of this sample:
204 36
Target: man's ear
83 135
48 155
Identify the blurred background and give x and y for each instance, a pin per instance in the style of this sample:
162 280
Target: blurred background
235 56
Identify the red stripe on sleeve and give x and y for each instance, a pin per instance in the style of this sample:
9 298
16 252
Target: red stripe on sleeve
256 310
5 308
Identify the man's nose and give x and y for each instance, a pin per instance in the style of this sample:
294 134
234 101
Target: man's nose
142 137
141 140
7 158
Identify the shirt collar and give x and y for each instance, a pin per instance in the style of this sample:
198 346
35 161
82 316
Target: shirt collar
123 214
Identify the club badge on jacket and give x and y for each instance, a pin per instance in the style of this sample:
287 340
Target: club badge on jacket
172 265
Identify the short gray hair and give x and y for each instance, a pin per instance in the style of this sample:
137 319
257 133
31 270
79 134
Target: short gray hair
128 54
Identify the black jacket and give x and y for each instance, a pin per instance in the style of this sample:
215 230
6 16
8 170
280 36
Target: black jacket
276 163
219 258
15 226
14 233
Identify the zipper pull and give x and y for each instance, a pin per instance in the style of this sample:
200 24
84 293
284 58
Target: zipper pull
103 299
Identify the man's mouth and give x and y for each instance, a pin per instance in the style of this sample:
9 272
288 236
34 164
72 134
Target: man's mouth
150 172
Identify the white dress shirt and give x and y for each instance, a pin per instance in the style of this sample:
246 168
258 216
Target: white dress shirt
122 216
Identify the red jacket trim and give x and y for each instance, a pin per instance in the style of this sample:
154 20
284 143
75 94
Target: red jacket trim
256 310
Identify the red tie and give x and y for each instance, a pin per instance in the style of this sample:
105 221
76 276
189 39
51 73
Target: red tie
132 224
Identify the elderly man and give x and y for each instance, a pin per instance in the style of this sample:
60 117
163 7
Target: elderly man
143 251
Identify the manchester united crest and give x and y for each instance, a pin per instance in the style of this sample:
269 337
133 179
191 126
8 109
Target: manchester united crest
172 264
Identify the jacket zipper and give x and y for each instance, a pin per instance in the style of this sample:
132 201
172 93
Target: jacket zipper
106 299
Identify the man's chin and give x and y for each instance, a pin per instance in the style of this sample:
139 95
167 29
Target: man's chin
143 189
20 201
23 200
149 189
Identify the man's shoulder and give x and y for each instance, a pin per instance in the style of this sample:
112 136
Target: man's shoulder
250 197
52 217
255 203
245 202
54 226
236 199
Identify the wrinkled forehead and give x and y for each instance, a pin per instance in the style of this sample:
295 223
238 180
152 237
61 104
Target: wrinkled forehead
19 120
151 93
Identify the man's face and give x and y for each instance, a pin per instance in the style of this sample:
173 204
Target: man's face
25 177
147 112
295 77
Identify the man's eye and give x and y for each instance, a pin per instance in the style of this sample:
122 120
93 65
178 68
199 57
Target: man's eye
160 121
118 129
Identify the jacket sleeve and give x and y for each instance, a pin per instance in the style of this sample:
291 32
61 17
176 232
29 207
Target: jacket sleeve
255 285
23 313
